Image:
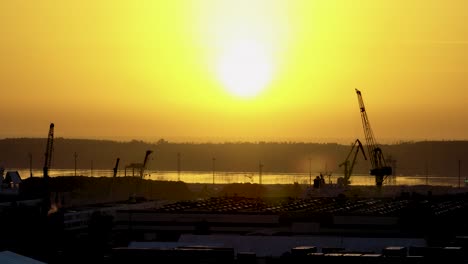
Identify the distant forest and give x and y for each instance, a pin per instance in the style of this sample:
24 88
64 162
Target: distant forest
436 158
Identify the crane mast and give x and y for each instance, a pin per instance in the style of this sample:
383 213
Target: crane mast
379 168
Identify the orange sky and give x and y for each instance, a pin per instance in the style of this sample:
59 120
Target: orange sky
151 69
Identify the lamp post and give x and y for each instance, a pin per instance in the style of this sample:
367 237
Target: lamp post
178 166
76 156
427 173
260 167
30 164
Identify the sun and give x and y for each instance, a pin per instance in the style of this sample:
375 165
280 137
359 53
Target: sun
245 69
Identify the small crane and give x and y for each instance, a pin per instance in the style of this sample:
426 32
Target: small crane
140 166
379 168
116 167
349 165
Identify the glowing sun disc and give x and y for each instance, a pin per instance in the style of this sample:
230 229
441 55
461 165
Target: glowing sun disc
245 69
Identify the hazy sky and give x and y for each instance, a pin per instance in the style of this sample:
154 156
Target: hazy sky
235 70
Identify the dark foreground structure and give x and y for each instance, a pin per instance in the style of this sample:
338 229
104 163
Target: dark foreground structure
419 229
409 228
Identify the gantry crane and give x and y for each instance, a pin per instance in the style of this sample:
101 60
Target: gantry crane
349 165
140 166
379 168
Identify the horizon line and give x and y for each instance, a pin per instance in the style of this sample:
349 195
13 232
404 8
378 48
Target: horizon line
205 140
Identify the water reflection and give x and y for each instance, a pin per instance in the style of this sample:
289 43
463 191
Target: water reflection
251 177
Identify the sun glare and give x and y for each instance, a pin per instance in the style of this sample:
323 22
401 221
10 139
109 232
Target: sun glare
245 69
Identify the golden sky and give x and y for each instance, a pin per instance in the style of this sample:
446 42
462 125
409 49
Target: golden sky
175 69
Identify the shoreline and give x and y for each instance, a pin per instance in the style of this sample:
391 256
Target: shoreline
83 189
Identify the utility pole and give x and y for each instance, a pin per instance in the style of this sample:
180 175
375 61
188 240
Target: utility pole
310 171
426 174
392 161
76 156
178 166
30 165
260 167
214 160
91 168
459 172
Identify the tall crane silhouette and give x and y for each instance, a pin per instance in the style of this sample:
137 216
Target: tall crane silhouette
46 204
379 167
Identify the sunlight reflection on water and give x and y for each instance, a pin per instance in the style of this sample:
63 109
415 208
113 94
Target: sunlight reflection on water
251 177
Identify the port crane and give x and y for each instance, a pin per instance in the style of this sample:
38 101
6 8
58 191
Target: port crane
49 150
379 167
116 167
47 162
140 166
349 165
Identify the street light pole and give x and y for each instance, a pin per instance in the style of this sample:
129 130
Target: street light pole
214 160
76 156
30 164
260 167
178 166
310 171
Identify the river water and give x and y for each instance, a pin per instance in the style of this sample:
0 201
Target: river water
220 177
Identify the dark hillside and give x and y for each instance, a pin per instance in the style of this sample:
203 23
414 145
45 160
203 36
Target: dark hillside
439 158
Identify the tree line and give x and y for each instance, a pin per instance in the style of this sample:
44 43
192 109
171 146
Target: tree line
436 158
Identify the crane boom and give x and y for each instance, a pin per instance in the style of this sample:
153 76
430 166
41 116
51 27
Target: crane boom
348 168
379 168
